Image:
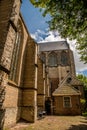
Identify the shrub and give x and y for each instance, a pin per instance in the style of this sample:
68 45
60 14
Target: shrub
83 105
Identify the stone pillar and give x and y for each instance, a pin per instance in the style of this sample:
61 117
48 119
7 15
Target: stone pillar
59 73
29 99
41 86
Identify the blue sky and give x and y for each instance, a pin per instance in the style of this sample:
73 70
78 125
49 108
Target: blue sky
39 31
33 17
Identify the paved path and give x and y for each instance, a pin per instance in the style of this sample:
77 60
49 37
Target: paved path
55 123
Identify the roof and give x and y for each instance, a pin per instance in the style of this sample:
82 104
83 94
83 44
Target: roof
74 81
66 90
51 46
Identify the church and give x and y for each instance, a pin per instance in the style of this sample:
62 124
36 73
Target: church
34 77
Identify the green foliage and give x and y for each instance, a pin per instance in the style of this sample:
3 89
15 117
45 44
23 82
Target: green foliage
84 113
83 104
69 17
83 79
83 101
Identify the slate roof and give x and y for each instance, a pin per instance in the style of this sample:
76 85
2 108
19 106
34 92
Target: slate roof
66 90
51 46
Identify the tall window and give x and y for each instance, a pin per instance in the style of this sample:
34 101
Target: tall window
52 60
64 58
16 54
43 57
67 102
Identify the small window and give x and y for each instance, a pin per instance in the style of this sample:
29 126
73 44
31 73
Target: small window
76 87
67 102
69 80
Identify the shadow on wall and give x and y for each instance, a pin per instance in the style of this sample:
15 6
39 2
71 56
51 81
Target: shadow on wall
2 110
19 103
2 118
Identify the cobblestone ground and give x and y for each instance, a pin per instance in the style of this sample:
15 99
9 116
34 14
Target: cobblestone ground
55 123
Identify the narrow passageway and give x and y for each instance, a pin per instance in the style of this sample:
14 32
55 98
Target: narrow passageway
55 123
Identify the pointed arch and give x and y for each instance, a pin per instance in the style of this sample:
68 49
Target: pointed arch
16 53
52 59
64 58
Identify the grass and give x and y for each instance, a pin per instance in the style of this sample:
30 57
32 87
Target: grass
84 114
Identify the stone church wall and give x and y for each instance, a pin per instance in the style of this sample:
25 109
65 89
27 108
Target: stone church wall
9 17
12 104
7 41
29 97
13 95
5 13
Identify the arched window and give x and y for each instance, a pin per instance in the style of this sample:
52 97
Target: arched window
64 58
52 59
43 57
16 54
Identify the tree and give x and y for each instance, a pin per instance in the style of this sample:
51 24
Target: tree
83 79
69 17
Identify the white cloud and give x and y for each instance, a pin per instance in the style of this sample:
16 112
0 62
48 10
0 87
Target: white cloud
53 36
42 36
47 36
80 66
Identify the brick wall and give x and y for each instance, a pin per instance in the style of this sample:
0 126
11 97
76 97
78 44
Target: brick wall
73 110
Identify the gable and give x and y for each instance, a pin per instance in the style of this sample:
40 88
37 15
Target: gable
73 80
66 90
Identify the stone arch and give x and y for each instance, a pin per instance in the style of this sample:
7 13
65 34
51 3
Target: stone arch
52 59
